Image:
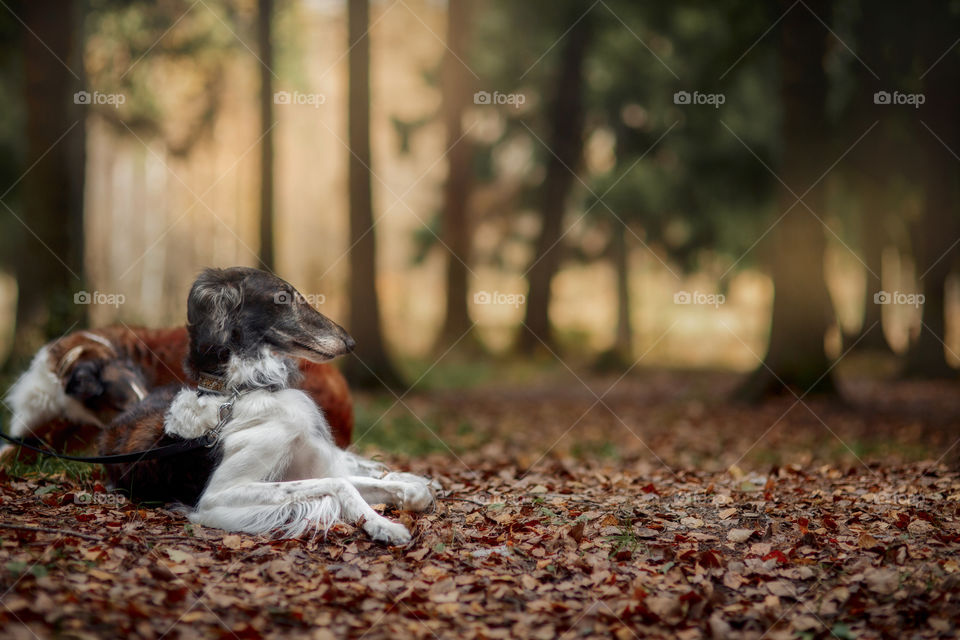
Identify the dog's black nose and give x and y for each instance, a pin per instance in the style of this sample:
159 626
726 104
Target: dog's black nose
349 343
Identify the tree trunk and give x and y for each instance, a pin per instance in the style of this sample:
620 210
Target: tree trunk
938 228
265 46
926 358
873 239
565 142
49 263
620 355
456 229
801 304
872 163
621 262
368 367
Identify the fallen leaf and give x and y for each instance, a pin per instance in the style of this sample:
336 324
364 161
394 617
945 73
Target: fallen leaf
178 556
739 535
882 581
576 531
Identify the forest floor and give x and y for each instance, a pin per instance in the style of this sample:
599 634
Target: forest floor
657 511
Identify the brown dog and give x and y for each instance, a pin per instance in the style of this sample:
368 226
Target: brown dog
76 385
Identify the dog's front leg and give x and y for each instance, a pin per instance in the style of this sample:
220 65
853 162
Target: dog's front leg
357 466
403 494
293 507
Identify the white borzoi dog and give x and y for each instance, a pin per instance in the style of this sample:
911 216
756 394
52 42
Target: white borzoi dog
274 467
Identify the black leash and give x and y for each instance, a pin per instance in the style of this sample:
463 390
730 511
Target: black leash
150 454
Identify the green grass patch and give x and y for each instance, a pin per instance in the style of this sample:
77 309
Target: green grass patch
48 467
625 540
451 372
394 429
595 449
20 568
397 431
457 371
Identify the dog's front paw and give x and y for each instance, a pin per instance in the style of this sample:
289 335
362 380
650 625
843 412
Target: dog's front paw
417 497
403 476
383 530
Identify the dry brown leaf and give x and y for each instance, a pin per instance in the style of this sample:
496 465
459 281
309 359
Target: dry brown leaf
882 581
739 535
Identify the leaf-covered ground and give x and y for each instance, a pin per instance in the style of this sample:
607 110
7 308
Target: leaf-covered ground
615 543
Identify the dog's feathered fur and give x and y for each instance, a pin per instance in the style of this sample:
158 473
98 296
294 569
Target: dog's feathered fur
275 467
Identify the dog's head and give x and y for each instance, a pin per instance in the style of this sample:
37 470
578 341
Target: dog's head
92 373
239 310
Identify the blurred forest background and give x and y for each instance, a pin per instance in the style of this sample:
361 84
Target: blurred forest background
482 190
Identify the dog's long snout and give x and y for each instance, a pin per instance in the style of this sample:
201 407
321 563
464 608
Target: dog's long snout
346 341
321 333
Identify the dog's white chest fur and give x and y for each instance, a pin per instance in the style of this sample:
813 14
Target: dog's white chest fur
38 396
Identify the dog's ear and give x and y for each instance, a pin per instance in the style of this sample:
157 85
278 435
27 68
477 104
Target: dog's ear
69 359
214 298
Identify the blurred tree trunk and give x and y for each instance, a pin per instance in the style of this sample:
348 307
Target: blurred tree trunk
265 46
456 229
621 264
872 168
926 357
873 201
566 122
935 251
49 262
938 227
368 367
801 303
620 355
